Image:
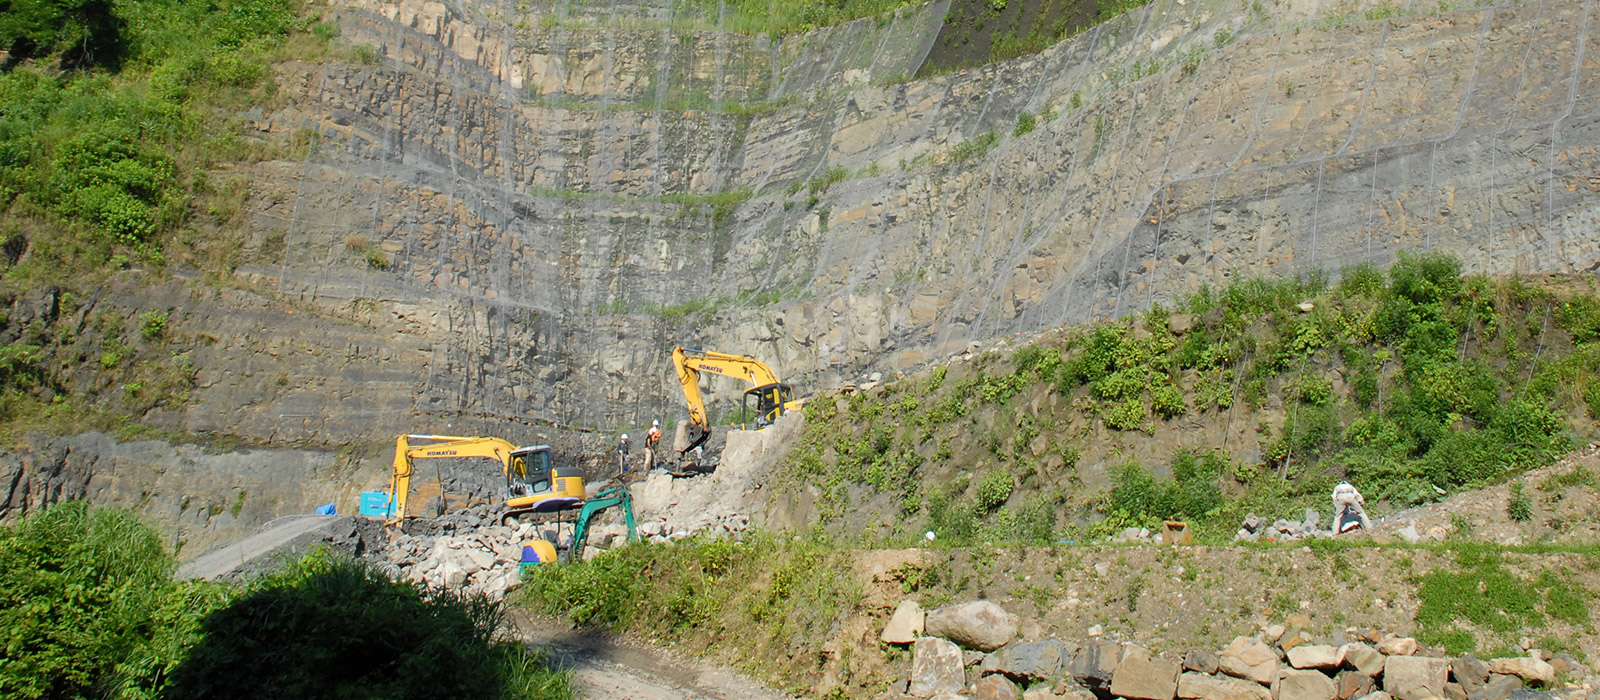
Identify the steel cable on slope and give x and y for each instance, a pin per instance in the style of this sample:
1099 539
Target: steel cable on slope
1071 168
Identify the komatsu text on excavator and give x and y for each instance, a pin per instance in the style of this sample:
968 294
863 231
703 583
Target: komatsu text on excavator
533 484
773 398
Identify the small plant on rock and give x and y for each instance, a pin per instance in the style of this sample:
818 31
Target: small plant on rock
1519 507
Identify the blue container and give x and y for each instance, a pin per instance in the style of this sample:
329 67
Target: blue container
375 503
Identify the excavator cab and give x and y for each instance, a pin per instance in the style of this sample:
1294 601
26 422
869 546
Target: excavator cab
538 486
770 402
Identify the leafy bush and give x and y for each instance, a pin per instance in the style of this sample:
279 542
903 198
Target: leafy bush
1194 490
153 324
88 607
697 592
994 490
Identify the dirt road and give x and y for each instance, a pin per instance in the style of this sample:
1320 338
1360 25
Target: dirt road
606 668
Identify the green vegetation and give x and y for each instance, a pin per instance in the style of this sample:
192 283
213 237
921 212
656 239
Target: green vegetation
696 594
1519 507
1481 606
1409 383
113 118
975 147
89 608
105 162
1025 124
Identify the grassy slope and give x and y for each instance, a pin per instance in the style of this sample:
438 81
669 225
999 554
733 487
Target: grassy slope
120 165
1410 384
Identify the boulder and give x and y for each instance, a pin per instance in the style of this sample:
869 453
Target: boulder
980 625
1305 685
479 560
1200 662
1097 662
995 688
1140 677
1039 692
1498 688
905 625
1317 656
1397 646
1249 658
1377 695
1030 661
1471 673
1454 691
1362 658
1353 684
1415 677
451 574
1200 686
1525 667
935 668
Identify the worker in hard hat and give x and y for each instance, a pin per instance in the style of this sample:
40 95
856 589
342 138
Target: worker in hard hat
622 455
652 442
1348 514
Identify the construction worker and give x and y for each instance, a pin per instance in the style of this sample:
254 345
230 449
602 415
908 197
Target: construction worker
622 455
1347 512
652 441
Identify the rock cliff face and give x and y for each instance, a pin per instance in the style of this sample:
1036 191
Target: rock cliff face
201 498
560 194
506 217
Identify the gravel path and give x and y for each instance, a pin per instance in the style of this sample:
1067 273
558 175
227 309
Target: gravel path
606 667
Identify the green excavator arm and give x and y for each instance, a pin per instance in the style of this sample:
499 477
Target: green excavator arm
619 497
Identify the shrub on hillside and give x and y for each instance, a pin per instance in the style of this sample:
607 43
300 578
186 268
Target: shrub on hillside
88 607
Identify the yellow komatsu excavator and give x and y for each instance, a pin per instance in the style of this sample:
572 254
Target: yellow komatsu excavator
772 397
533 484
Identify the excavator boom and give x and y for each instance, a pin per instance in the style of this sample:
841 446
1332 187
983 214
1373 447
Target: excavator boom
773 397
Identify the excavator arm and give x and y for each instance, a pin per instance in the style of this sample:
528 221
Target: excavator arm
439 446
773 396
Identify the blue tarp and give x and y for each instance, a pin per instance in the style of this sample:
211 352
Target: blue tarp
327 510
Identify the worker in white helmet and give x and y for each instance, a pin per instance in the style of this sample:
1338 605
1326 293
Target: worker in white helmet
652 442
1347 511
622 456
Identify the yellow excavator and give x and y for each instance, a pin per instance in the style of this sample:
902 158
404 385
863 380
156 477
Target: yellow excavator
772 397
533 484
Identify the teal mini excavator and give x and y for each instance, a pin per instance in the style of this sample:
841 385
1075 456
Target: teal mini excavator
618 497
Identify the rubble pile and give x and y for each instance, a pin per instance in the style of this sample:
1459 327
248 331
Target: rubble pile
1281 530
969 650
483 560
716 522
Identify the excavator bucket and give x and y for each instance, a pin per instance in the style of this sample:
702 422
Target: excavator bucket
697 437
